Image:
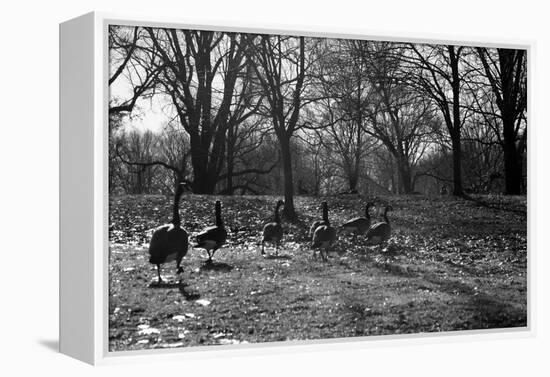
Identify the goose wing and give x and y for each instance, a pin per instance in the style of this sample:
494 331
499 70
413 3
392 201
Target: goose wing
379 232
358 224
323 236
314 226
218 234
168 242
272 231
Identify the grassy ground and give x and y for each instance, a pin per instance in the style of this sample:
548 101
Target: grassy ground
452 264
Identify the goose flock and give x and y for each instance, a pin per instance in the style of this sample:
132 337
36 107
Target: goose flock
169 242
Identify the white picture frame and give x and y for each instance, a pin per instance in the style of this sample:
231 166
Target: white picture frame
84 247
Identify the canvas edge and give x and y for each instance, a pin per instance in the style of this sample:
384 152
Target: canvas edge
76 162
101 354
312 30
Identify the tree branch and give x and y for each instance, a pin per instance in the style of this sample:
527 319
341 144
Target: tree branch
251 171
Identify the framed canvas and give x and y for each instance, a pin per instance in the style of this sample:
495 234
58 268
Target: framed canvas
230 189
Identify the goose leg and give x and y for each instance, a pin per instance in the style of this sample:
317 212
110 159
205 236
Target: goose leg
263 244
158 273
277 249
179 268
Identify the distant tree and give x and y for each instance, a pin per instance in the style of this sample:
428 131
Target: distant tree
314 167
243 141
438 72
137 146
174 149
279 64
400 117
342 91
130 151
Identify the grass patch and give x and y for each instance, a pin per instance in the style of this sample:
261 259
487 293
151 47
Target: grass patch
452 264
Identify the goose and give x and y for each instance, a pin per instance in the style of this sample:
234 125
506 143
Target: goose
324 235
380 232
359 225
273 231
318 223
213 237
169 241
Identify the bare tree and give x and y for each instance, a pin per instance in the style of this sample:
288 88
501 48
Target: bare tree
338 112
203 76
137 146
437 71
243 139
506 71
398 116
123 49
280 70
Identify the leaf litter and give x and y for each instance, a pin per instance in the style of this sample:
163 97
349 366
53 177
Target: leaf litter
452 264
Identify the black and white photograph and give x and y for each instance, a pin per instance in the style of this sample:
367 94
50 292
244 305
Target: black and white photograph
286 188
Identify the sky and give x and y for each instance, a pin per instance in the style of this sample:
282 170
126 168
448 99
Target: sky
149 114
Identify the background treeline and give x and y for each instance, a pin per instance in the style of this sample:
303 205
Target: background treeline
268 114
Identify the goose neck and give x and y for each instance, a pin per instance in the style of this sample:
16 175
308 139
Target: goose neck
176 219
325 214
367 214
277 217
219 221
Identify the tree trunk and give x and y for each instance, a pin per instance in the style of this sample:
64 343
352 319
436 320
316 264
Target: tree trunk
513 172
353 178
203 182
229 184
513 169
404 177
289 212
230 161
506 76
454 129
457 164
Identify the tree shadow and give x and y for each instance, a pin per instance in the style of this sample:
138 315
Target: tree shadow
395 269
164 284
216 266
52 345
281 256
488 310
495 206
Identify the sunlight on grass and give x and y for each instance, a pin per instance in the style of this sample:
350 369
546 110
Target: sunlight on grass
451 264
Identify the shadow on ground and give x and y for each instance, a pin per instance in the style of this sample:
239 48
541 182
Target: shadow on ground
281 256
216 266
496 206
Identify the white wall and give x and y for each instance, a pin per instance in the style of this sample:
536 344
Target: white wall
29 190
